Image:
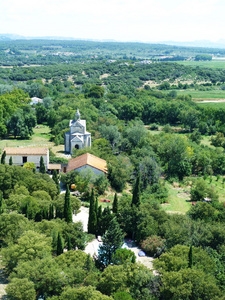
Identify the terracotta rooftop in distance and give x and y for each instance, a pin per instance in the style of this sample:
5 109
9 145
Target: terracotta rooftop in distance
26 150
54 166
87 159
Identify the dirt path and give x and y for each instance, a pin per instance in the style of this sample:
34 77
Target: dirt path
209 101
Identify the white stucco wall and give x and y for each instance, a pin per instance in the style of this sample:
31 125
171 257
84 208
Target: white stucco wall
95 171
18 159
67 142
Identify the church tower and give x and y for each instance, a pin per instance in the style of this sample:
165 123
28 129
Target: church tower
77 115
77 137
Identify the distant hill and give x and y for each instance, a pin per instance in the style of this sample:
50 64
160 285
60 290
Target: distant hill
8 36
201 43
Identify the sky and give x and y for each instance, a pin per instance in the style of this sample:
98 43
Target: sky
121 20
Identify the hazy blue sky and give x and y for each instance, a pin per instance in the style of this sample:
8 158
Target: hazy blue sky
143 20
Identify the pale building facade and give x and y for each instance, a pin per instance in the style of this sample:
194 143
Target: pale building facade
21 155
77 137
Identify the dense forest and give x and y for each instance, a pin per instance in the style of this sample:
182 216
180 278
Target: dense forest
152 137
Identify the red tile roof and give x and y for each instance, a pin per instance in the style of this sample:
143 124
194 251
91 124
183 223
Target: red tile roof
87 159
26 150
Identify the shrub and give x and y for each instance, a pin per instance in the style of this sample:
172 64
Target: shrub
153 245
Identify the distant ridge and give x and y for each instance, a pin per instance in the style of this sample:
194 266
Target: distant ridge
199 43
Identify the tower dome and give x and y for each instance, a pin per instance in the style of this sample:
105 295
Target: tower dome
77 115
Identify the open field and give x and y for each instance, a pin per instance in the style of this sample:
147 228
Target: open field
204 95
179 196
178 199
215 64
40 138
213 104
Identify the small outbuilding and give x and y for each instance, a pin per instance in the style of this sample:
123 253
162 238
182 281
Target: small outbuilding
87 160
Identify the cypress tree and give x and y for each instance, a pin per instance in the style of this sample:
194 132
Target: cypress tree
10 161
88 263
92 219
115 204
96 207
3 158
54 235
51 212
56 179
190 257
42 166
136 192
45 213
60 246
67 206
1 202
99 220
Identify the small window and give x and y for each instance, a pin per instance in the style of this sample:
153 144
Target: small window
24 159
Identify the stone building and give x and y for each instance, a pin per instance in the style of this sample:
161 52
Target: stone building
77 137
21 155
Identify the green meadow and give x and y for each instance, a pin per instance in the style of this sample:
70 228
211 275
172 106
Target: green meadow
214 64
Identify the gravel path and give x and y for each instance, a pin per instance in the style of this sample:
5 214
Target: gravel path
82 216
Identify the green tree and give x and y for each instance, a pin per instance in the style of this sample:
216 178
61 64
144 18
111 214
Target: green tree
29 166
188 284
69 244
48 277
67 207
119 172
51 212
115 204
30 245
3 158
21 289
10 161
42 166
190 257
136 192
83 293
60 246
123 256
203 211
96 91
1 203
92 218
112 240
199 190
59 203
56 179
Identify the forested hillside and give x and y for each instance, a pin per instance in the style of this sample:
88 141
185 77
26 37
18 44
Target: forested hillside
166 171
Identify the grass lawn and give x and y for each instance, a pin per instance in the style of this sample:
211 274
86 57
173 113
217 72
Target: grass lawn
178 199
40 138
179 196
